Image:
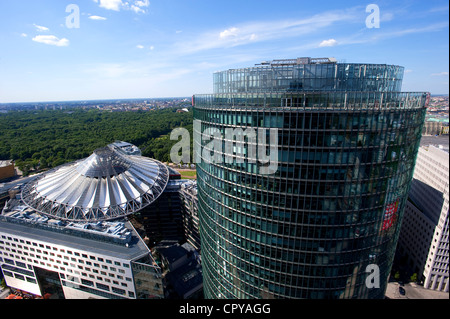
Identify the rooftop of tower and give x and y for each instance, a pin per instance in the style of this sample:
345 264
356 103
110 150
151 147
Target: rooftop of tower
306 61
298 61
306 74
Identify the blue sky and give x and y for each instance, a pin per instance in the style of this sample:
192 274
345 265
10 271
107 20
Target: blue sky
169 48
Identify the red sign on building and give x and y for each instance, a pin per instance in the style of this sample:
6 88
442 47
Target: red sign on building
390 215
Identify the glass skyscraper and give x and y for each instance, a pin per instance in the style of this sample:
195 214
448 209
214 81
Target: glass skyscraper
323 222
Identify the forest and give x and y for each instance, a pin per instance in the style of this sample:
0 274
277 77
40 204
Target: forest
48 138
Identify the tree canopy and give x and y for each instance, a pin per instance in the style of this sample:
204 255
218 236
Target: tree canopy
46 139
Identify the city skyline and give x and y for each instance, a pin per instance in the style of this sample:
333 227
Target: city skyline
112 49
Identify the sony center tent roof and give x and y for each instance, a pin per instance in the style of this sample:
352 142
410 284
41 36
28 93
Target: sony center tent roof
107 185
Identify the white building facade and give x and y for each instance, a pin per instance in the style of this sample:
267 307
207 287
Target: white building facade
424 232
67 234
44 261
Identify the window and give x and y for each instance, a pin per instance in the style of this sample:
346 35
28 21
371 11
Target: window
102 286
19 277
87 282
118 291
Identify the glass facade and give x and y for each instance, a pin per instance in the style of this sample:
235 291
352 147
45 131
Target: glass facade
147 279
306 74
347 141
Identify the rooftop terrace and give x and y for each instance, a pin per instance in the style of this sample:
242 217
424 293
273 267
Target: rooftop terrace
16 212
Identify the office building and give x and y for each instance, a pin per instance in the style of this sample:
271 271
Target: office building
163 219
423 241
308 217
67 233
188 193
435 128
182 270
7 170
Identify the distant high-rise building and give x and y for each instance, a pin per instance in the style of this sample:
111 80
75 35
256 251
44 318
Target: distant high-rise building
303 172
424 234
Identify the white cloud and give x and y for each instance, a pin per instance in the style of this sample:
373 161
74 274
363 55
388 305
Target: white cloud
439 9
137 9
142 3
440 74
129 70
116 5
261 31
231 32
393 34
110 4
386 33
138 5
51 40
97 18
387 16
253 37
113 70
328 43
408 71
40 28
140 46
24 35
237 35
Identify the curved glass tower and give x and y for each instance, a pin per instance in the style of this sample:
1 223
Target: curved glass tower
303 171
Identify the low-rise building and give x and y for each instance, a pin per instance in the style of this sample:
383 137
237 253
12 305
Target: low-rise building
75 260
67 233
182 270
7 169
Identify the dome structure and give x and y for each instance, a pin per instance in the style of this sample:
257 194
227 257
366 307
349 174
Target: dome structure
107 185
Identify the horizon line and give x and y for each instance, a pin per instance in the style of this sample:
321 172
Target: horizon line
144 98
93 100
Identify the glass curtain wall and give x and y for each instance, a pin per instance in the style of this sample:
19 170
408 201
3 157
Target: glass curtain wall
333 207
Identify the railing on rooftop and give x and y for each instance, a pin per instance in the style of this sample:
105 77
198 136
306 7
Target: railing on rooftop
315 100
98 236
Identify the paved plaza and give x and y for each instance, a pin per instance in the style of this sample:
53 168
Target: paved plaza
413 291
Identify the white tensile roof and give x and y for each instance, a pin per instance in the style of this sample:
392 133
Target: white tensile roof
107 185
